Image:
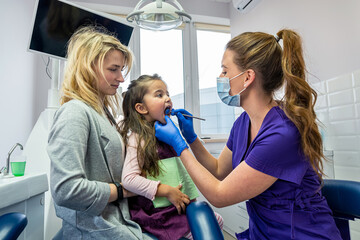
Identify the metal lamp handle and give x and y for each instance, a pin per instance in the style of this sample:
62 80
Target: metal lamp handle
131 16
183 14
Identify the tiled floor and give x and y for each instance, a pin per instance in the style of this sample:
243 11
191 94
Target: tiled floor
227 236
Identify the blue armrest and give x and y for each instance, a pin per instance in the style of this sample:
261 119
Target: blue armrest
202 221
343 197
11 225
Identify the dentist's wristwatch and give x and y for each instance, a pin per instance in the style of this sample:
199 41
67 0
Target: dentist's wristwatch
119 190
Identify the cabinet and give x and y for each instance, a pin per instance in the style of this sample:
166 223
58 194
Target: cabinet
25 194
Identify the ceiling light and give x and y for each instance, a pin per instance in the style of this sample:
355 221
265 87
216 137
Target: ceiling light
158 15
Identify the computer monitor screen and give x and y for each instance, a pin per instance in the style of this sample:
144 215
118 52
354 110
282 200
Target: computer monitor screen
55 21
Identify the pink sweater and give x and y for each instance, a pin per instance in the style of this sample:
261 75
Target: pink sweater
131 176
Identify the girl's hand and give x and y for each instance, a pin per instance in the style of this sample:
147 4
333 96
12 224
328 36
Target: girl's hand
177 198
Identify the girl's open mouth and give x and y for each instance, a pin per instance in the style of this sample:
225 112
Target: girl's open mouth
167 110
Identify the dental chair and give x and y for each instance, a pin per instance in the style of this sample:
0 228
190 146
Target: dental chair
343 198
12 225
202 221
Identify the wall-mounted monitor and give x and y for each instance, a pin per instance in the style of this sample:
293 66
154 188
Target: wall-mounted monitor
55 21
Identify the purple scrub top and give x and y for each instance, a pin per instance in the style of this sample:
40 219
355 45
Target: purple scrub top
293 207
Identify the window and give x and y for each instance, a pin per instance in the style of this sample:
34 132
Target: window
188 59
219 117
162 53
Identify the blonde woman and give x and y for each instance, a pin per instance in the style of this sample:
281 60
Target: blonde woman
84 146
273 157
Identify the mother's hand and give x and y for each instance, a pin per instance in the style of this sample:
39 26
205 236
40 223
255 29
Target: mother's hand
114 194
170 134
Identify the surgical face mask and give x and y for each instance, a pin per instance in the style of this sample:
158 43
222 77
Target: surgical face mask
223 89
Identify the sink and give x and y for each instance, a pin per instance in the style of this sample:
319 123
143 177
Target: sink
5 178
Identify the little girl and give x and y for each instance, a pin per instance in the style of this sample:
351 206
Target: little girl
152 169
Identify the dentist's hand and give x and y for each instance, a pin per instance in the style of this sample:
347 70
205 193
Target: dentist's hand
186 124
170 134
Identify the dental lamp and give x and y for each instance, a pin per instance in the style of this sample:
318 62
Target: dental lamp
158 15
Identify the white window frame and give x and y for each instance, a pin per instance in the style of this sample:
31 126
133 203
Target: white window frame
190 65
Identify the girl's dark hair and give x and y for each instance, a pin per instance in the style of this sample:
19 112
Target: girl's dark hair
136 123
262 53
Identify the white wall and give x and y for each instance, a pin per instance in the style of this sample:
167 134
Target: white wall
24 84
330 30
198 7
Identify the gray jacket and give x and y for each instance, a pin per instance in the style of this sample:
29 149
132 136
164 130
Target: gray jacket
86 154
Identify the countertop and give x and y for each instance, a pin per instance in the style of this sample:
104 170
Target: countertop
18 189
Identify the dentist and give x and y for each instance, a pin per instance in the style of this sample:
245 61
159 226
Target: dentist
273 157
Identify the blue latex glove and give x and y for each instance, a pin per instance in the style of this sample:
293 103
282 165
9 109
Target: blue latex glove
170 134
185 124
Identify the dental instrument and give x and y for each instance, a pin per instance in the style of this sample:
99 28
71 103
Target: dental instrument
185 115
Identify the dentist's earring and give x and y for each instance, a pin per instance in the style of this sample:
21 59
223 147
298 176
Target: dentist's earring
245 85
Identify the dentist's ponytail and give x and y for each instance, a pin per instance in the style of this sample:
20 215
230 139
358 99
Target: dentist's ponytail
300 98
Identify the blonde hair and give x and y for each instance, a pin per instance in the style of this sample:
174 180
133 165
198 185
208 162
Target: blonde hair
87 49
262 53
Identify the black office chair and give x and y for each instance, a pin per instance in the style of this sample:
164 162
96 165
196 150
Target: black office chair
343 198
12 225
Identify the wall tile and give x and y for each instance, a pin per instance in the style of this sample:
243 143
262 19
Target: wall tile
345 143
321 102
323 115
329 140
347 173
343 97
319 87
342 113
357 107
356 78
339 83
347 158
357 94
342 124
344 128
